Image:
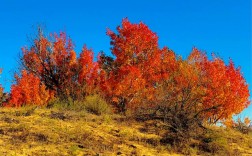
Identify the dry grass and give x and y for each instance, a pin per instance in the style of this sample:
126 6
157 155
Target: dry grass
53 132
30 131
232 142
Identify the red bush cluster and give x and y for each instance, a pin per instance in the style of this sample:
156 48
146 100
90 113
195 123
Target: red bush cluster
140 74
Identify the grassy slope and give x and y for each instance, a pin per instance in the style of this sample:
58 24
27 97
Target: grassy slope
53 132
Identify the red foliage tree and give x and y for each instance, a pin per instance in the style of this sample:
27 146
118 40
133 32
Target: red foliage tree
28 90
55 63
143 73
133 74
88 72
224 88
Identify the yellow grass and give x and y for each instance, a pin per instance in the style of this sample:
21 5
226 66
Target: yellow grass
29 131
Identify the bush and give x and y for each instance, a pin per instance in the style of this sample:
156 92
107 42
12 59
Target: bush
242 126
96 104
92 103
67 104
239 125
181 125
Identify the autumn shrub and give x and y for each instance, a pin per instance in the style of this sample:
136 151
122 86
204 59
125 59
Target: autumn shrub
28 90
208 87
136 72
243 126
97 105
54 61
192 95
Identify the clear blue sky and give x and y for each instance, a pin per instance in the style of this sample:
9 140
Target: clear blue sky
220 26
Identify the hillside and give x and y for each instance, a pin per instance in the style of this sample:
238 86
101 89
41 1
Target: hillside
40 131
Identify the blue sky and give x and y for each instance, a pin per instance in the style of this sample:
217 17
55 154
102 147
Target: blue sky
220 26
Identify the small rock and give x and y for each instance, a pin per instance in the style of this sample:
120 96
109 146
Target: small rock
1 131
80 146
133 146
119 153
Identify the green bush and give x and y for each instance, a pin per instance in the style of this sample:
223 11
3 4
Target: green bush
97 105
67 104
92 103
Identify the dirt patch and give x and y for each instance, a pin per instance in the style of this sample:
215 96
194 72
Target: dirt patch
1 131
27 112
39 137
22 137
16 129
9 120
59 115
